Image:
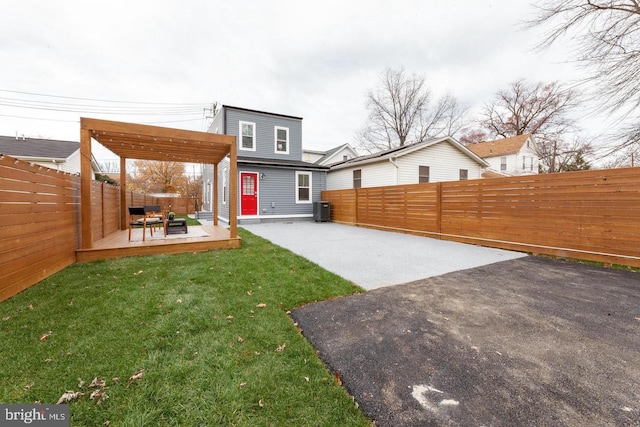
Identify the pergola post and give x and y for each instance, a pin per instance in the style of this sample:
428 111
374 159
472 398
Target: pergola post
86 241
233 191
123 193
215 194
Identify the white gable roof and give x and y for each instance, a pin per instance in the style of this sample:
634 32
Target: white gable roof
408 149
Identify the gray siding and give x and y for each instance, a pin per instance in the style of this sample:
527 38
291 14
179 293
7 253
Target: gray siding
265 134
276 192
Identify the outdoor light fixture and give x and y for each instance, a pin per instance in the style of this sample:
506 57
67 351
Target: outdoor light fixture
262 176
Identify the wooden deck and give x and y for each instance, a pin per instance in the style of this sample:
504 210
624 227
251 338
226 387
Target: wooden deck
117 245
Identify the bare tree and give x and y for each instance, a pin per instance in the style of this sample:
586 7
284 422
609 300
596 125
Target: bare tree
542 109
401 112
607 38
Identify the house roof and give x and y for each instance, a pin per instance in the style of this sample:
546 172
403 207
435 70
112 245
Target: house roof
490 173
407 149
277 163
499 147
328 154
37 148
260 112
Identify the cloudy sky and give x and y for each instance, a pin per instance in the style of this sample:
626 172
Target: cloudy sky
317 60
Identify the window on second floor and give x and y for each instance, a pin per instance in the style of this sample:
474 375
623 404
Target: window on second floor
357 178
464 174
423 174
282 139
248 136
503 163
303 187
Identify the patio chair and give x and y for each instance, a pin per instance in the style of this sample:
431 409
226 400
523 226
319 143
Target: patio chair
138 218
154 211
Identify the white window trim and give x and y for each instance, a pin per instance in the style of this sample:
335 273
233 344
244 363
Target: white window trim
298 201
240 147
275 140
224 186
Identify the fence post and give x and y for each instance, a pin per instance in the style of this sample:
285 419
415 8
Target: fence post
439 209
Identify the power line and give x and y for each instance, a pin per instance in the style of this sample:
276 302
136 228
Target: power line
100 100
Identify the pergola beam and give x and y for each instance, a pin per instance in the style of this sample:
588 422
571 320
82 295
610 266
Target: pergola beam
136 141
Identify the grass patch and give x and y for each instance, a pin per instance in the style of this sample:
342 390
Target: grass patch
210 330
190 221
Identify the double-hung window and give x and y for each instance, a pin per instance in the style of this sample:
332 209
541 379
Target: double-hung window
248 136
423 174
464 174
281 140
357 178
303 187
503 163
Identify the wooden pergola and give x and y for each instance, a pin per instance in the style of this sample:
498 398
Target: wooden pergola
135 141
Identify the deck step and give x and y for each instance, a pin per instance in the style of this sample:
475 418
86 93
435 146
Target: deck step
206 215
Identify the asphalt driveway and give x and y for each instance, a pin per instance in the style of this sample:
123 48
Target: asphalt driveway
374 258
477 337
525 342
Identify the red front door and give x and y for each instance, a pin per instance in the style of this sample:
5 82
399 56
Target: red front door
249 193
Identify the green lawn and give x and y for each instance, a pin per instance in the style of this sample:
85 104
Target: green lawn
207 334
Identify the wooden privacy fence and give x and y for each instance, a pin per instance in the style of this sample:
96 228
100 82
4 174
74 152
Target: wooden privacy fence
40 227
591 215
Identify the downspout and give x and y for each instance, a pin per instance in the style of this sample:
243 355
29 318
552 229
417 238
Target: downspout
393 162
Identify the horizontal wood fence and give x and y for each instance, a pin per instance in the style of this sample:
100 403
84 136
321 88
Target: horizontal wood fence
40 211
591 215
40 227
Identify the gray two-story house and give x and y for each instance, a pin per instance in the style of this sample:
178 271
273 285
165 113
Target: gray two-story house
274 184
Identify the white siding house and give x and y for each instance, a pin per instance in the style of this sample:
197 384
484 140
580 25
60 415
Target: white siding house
510 156
53 154
325 158
436 160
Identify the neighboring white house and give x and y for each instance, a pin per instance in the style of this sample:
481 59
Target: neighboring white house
435 160
53 154
326 158
510 156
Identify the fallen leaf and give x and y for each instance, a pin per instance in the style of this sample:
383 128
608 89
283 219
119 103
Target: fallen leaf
338 379
240 339
637 318
30 306
281 347
45 336
6 318
249 292
179 300
138 273
69 396
137 375
106 423
115 379
261 305
80 383
306 379
229 317
243 384
47 360
98 395
98 383
28 387
260 403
